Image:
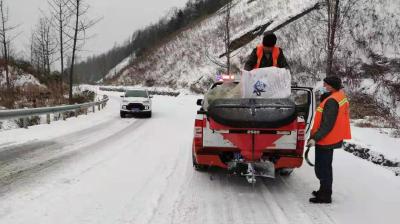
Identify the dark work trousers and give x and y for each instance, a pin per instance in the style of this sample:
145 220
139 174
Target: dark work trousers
323 169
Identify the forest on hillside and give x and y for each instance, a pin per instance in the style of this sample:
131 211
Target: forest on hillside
96 67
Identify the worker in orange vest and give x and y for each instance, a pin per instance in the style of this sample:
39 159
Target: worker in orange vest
266 54
331 126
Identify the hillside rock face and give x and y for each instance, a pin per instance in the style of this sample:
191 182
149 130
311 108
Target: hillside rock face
368 46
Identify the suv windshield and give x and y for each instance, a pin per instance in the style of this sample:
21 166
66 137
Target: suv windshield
136 93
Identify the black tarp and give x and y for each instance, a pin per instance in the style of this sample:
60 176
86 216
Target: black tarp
253 113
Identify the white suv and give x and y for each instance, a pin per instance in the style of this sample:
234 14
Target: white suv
136 102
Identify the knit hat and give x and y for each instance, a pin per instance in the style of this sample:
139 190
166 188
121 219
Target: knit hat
334 81
269 40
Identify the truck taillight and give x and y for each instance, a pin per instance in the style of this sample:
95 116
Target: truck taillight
301 137
198 133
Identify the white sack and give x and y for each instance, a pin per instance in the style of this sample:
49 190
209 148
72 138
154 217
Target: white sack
268 82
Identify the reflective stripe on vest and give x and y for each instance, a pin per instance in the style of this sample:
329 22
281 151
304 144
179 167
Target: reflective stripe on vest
341 130
260 53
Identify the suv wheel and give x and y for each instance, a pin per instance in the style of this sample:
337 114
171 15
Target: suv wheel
122 114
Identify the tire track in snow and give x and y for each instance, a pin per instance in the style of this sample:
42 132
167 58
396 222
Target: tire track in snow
38 157
230 199
294 204
172 179
169 176
178 205
89 152
225 199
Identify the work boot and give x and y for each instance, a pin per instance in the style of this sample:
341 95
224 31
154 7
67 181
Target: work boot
321 197
315 193
321 200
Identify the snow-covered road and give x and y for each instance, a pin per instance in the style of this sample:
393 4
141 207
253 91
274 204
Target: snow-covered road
103 169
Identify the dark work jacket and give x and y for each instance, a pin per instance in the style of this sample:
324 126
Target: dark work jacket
329 117
266 60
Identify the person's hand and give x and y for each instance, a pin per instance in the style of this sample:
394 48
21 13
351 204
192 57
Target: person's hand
311 143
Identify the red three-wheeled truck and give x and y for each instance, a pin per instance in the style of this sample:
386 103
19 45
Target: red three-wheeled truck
253 137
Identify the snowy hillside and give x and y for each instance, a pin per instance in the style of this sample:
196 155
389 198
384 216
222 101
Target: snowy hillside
117 69
369 46
184 59
372 28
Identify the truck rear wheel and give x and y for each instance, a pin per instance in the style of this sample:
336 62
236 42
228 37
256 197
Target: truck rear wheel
285 172
198 167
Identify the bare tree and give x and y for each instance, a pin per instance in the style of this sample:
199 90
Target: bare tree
338 12
43 46
227 36
60 18
225 32
6 39
333 9
79 9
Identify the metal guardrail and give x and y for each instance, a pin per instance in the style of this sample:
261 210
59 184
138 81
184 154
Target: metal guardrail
152 92
25 113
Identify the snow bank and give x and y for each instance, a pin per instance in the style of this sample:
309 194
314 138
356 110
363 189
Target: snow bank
7 125
377 140
374 157
20 80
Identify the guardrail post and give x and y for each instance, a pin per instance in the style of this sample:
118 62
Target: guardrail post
94 109
25 122
99 107
86 109
48 118
76 112
64 117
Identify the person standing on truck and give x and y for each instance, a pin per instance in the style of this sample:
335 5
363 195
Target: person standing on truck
266 54
331 126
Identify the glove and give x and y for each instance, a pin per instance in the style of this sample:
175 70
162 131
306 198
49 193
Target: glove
311 143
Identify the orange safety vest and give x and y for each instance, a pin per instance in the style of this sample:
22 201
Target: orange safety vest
260 53
341 130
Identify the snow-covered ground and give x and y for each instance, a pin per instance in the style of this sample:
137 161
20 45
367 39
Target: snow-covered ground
18 80
103 169
378 140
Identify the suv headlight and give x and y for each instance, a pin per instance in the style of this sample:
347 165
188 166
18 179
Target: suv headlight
124 107
147 101
125 101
